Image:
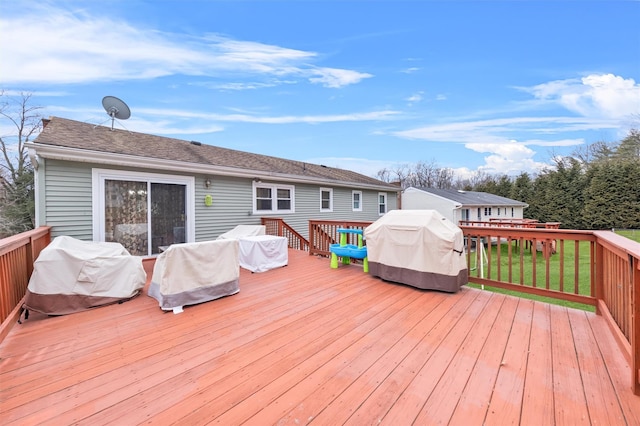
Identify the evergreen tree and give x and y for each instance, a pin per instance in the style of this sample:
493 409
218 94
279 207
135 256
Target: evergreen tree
504 185
629 147
613 195
539 208
558 194
522 190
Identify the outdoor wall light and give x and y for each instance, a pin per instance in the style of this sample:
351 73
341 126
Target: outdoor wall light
207 183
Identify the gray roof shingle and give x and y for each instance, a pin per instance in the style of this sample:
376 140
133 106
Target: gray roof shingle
85 136
472 198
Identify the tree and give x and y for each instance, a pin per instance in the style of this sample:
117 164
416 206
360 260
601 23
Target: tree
612 199
558 194
629 147
17 208
522 189
593 152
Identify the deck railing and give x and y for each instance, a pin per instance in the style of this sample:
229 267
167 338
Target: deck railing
596 268
277 226
17 254
323 233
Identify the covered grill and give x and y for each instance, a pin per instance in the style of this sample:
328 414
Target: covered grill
420 248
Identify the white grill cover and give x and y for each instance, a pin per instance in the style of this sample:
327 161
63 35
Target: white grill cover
71 275
417 247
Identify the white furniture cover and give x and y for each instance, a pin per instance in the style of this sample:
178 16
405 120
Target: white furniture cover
420 248
244 231
71 275
263 252
190 273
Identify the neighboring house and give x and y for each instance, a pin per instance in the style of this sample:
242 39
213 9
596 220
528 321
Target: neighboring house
103 184
457 205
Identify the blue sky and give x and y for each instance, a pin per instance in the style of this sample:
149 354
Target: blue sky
499 87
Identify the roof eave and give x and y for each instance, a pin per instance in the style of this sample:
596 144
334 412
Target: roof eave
124 160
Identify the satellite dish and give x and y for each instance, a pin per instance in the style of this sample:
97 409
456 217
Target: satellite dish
115 108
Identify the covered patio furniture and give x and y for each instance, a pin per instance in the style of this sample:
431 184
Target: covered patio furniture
243 231
191 273
261 253
71 275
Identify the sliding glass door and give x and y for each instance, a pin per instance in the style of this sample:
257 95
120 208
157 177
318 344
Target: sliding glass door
145 213
167 215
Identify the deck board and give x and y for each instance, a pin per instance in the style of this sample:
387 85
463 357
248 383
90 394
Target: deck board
538 403
307 344
569 393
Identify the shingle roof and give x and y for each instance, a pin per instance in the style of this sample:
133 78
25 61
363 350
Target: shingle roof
74 134
472 198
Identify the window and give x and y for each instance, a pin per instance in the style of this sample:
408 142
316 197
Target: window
273 198
382 203
498 211
356 196
511 211
487 211
142 211
326 199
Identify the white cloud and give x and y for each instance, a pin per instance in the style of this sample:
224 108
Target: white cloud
416 97
602 102
332 77
509 158
247 118
75 47
173 121
596 95
494 137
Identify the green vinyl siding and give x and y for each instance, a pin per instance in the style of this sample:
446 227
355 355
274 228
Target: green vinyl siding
67 196
67 204
232 205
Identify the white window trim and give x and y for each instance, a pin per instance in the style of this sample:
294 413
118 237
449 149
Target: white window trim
330 191
359 209
98 176
386 203
274 198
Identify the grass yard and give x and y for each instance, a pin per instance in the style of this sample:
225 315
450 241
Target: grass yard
556 270
632 234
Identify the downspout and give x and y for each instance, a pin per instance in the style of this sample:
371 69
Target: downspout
35 162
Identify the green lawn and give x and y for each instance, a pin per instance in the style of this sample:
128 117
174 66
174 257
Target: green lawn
632 234
584 272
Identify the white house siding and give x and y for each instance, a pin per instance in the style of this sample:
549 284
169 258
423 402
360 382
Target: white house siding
420 200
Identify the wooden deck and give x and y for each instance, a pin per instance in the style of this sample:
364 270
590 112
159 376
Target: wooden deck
307 344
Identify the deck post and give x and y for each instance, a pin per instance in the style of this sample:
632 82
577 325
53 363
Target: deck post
635 324
597 281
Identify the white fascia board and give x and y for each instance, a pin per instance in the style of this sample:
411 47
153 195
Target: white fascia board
85 156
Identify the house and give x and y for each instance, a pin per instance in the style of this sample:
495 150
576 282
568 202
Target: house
144 191
457 205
